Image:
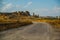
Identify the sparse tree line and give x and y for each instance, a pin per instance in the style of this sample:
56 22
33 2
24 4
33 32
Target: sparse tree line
23 18
14 14
7 20
17 14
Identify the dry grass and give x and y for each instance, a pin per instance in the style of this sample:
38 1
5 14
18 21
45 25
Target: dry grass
9 24
54 23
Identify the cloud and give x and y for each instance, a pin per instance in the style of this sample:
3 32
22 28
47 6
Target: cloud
17 6
42 10
7 7
45 11
28 4
56 9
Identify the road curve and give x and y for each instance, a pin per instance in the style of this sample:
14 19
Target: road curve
36 31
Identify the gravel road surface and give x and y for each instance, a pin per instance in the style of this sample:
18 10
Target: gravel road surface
35 31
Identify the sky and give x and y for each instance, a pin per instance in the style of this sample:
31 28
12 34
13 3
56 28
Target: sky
39 7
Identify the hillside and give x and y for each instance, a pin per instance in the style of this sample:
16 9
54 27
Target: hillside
14 19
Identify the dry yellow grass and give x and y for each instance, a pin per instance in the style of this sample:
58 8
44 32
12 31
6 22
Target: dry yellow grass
54 23
8 24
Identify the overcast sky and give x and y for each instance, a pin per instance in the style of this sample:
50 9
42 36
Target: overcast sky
41 7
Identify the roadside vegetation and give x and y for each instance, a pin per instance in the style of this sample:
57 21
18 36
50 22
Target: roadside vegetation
10 25
54 21
20 18
14 20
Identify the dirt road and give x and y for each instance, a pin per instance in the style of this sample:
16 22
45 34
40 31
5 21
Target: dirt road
36 31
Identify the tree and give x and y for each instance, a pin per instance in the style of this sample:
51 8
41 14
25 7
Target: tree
36 16
33 14
27 13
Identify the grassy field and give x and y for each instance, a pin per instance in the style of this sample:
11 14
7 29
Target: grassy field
9 24
14 23
54 23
